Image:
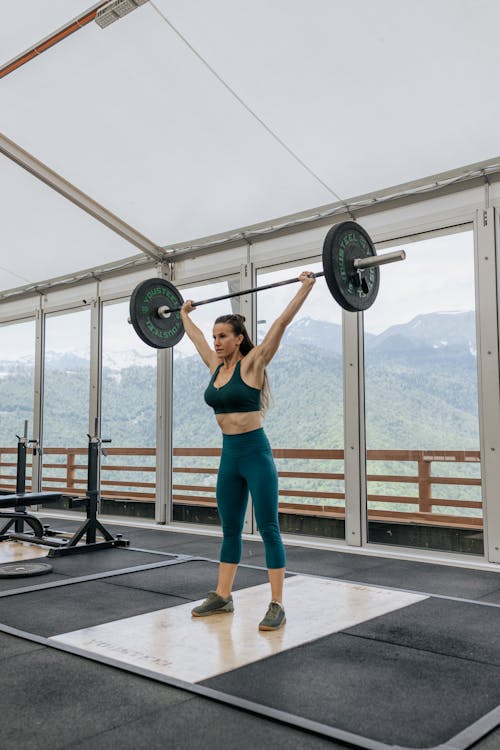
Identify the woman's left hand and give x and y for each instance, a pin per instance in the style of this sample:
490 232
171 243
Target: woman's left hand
307 278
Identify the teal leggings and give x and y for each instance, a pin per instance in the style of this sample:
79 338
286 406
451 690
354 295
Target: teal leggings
247 464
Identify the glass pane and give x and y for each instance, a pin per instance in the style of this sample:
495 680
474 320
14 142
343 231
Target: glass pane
306 425
17 370
66 402
196 434
424 481
128 472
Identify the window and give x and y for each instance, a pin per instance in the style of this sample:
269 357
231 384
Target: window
422 400
305 424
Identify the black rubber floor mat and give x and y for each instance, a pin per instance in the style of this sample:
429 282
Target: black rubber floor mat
390 693
451 628
83 605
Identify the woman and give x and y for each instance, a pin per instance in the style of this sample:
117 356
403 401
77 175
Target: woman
238 393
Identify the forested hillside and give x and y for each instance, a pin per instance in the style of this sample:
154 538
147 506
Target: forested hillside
421 393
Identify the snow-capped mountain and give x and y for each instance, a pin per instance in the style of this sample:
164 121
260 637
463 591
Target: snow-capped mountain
439 331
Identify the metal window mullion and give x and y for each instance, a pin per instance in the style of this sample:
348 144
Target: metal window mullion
164 432
36 471
95 385
487 251
164 444
354 429
95 380
247 307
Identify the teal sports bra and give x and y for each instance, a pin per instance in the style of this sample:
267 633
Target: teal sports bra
233 396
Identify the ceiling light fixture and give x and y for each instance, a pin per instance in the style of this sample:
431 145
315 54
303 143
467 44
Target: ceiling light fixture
114 10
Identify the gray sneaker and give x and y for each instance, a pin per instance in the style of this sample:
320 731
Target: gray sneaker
213 605
274 619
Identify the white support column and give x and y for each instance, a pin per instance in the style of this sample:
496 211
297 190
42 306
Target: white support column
37 427
163 506
356 528
487 273
95 387
95 378
248 305
164 443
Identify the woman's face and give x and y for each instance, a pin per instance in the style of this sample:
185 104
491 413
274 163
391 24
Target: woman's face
226 341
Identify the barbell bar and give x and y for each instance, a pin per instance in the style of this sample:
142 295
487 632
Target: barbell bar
361 263
379 260
350 267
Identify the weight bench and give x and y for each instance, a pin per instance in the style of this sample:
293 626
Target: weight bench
18 517
20 499
41 534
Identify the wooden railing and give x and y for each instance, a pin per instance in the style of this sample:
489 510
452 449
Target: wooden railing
68 474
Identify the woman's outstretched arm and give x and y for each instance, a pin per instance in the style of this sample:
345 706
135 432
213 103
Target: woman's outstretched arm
196 335
269 345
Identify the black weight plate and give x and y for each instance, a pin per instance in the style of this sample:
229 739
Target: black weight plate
23 570
343 244
147 297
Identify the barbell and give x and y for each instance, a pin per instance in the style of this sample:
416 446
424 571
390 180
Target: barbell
350 267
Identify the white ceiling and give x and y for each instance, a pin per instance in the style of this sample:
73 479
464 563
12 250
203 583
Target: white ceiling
367 94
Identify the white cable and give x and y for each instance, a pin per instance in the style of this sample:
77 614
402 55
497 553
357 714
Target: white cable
13 273
246 106
333 211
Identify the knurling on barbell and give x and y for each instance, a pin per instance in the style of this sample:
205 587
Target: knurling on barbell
350 267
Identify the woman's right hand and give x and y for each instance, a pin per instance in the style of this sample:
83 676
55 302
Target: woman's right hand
307 278
188 306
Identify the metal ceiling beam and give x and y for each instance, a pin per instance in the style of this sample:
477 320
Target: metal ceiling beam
80 199
444 183
49 41
92 14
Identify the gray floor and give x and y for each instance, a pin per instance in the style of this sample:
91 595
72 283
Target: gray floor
58 700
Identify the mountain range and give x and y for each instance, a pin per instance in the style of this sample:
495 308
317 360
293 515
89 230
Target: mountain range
424 370
454 331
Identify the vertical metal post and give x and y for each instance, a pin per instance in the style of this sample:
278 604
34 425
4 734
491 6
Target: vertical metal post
356 513
164 446
248 304
95 387
36 471
487 275
93 463
164 417
22 443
